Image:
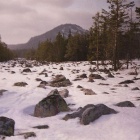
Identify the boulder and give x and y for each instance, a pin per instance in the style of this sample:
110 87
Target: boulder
59 78
96 76
127 82
88 91
78 113
90 113
83 75
93 113
43 84
51 105
79 86
7 126
60 81
38 79
26 70
61 68
125 104
135 88
20 84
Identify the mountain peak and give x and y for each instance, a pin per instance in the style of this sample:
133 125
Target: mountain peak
63 29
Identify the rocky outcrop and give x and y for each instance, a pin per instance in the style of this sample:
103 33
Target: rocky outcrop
93 113
51 105
90 113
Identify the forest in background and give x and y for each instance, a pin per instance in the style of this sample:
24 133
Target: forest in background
114 35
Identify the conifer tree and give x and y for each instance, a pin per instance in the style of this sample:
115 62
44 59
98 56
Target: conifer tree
117 19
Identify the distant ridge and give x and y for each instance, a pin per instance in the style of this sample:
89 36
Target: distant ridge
63 29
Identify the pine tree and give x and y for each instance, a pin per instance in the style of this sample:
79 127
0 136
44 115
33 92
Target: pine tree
117 19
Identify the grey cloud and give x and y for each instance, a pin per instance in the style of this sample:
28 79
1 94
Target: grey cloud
56 3
22 19
14 8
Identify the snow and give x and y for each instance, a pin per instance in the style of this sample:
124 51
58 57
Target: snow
18 103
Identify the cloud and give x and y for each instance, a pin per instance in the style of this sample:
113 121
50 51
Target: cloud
54 3
23 19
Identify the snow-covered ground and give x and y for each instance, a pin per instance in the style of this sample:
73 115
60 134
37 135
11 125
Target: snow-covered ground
18 103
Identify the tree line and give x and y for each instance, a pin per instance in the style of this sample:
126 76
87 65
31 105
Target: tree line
5 53
114 35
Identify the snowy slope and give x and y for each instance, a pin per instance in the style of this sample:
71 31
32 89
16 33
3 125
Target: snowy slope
18 103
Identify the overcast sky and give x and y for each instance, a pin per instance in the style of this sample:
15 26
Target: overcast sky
22 19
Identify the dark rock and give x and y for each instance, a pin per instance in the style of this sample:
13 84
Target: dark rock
59 78
61 68
90 79
88 92
20 84
90 112
103 84
7 126
60 81
110 75
46 75
96 76
26 70
2 90
12 72
125 104
93 113
105 93
125 85
83 76
28 135
77 79
136 78
79 86
127 82
41 127
92 70
136 88
78 113
38 79
51 105
43 84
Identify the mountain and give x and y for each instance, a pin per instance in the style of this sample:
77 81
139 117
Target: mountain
63 29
